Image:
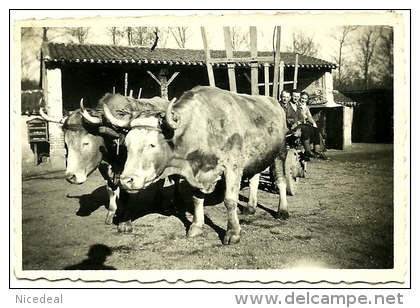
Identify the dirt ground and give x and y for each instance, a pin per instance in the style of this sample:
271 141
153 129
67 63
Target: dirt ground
342 217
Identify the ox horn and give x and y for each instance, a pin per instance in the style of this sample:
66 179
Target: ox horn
113 120
169 117
91 119
48 118
108 131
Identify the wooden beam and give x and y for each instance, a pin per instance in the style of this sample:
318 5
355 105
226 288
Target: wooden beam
245 59
247 77
281 81
229 54
154 77
254 64
208 58
295 76
172 77
276 64
266 79
125 84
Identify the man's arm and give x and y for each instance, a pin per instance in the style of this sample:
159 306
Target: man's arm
310 118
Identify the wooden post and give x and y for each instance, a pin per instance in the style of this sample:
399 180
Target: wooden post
295 76
163 83
207 53
229 54
276 64
138 97
35 153
131 93
125 84
113 90
254 64
266 79
281 81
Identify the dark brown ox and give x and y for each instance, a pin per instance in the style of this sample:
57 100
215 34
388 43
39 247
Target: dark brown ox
209 134
93 144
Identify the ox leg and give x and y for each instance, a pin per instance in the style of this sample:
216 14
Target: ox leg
196 227
253 189
280 181
158 198
233 184
124 220
112 208
177 198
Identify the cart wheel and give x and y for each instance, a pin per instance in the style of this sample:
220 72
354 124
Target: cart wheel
292 160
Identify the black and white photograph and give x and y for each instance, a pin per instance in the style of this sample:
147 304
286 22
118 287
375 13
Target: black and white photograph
250 147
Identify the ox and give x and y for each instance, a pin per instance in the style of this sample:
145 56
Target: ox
209 134
92 144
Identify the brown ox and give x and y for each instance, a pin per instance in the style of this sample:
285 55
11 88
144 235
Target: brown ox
93 144
209 134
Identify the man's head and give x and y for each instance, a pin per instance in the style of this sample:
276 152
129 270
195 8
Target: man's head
285 96
295 96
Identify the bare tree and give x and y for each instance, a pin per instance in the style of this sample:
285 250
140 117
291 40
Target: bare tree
303 43
240 39
116 34
385 56
78 34
341 39
366 48
142 36
180 35
129 32
163 34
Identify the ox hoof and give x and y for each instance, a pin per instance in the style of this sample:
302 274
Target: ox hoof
282 215
109 219
194 231
248 210
231 237
125 227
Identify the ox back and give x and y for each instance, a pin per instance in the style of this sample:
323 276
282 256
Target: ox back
218 125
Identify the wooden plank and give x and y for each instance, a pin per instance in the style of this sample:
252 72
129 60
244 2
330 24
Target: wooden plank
229 54
266 79
276 64
281 81
254 64
208 58
295 76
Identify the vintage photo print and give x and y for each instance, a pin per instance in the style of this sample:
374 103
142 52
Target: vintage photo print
219 147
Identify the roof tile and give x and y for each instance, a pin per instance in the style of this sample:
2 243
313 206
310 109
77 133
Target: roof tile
119 54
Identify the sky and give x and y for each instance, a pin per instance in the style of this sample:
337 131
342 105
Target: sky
318 24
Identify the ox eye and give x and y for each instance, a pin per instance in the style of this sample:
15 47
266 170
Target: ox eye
85 144
152 145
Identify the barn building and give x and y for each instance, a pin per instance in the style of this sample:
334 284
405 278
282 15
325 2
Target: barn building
70 72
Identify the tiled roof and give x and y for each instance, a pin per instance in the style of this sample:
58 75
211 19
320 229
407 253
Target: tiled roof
340 98
83 53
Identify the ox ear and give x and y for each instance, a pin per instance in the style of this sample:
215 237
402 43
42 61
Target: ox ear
108 131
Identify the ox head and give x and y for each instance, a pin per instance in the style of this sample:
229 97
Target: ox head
84 150
84 142
148 148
